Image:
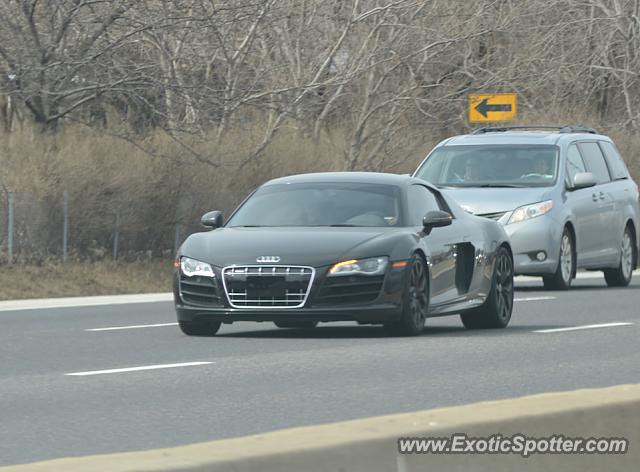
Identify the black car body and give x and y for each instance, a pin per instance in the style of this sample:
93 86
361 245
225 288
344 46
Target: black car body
343 246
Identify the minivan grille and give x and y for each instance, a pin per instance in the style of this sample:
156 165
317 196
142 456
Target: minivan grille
267 286
493 216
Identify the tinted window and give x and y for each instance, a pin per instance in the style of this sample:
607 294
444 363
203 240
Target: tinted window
615 162
491 166
321 204
594 160
575 164
421 201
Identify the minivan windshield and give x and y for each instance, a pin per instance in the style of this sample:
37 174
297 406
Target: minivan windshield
491 166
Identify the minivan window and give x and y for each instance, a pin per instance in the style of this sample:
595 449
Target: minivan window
575 164
491 166
595 161
614 160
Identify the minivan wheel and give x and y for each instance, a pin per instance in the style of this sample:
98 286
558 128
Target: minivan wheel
563 276
621 276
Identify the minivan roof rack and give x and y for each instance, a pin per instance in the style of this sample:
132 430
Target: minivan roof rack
561 129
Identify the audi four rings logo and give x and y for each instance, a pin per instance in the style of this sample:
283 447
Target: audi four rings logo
268 259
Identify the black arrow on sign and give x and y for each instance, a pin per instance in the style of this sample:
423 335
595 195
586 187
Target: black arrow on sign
484 108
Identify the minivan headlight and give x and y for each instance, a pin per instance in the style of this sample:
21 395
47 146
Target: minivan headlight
191 267
528 212
371 266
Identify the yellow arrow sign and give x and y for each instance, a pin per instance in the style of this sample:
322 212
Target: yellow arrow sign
497 107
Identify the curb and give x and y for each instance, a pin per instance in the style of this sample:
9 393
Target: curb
74 302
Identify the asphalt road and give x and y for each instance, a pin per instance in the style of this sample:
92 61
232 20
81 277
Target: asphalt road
254 377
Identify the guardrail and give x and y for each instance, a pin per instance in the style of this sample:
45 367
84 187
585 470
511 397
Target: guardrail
371 444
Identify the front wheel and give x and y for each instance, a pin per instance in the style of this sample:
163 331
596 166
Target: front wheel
415 299
199 327
496 310
563 276
621 276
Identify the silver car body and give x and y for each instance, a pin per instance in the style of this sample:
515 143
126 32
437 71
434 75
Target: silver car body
596 215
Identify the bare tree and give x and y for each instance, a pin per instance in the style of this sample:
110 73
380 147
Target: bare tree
59 56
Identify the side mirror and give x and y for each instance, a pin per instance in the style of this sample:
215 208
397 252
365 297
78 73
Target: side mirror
435 219
213 219
583 180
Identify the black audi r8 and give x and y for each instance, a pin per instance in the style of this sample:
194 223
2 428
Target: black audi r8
366 247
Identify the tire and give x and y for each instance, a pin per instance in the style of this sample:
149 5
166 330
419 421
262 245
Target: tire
566 269
621 276
496 311
296 324
199 328
415 300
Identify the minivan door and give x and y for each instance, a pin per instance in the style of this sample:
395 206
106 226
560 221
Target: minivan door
603 194
585 210
622 189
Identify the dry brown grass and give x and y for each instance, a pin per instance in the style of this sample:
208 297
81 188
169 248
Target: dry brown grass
147 191
84 279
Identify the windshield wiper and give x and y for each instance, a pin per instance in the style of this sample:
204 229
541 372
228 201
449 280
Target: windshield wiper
500 186
248 226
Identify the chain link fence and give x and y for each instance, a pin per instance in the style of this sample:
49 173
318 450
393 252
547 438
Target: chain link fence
67 226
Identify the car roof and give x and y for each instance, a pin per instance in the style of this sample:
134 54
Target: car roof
349 177
520 137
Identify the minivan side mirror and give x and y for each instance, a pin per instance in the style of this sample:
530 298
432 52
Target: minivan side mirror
583 180
435 219
213 219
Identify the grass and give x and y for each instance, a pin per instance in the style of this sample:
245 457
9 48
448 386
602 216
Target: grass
84 279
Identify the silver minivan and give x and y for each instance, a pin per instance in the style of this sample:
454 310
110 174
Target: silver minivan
563 194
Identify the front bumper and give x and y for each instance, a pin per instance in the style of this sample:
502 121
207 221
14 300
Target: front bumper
530 237
369 314
386 307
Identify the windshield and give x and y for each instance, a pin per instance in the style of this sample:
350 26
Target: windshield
321 204
491 166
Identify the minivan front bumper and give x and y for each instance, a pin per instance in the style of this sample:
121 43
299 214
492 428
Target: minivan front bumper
531 237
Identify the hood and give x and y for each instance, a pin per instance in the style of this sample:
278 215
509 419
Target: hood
296 246
480 201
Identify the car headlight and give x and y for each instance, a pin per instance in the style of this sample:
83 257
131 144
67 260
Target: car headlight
191 267
371 266
530 211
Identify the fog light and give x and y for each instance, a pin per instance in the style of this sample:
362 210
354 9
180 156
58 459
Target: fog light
541 256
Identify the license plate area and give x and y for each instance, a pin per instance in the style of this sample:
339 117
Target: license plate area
262 287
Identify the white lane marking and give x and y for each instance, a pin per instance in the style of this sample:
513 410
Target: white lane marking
116 328
533 299
580 275
136 369
577 328
73 302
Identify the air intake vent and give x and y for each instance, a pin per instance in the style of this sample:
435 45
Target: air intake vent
349 290
199 291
